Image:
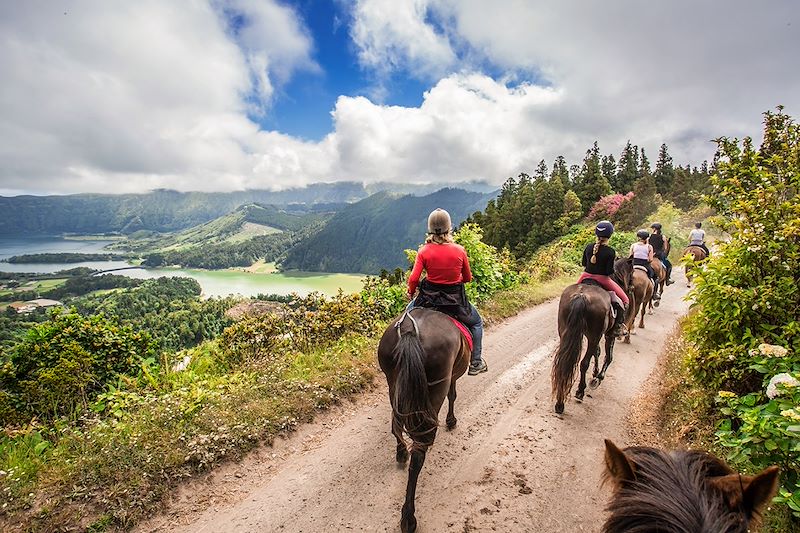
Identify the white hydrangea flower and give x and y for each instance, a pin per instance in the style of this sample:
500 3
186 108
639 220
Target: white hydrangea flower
772 350
786 379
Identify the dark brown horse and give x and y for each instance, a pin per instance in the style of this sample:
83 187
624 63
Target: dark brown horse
585 310
680 491
697 254
642 296
422 354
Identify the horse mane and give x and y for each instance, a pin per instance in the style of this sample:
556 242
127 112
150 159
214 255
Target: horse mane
623 270
671 494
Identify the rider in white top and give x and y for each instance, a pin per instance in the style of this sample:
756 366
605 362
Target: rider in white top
642 253
697 237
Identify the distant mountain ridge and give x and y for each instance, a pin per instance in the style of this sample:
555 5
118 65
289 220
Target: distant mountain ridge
371 234
166 210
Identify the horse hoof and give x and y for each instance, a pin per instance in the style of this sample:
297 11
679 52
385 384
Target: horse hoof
656 303
560 408
579 396
408 525
594 383
451 423
402 455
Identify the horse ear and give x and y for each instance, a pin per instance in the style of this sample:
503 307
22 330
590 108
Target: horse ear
618 467
760 489
751 492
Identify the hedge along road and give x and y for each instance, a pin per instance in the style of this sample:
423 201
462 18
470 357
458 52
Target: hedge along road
510 465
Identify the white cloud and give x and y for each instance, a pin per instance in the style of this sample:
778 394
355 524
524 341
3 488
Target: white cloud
115 97
679 72
108 96
392 35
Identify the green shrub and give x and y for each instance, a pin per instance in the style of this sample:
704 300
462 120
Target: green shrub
64 362
763 429
748 293
747 325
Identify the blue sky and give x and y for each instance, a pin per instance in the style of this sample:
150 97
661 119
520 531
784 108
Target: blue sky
230 94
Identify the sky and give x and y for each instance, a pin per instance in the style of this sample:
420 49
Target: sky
221 95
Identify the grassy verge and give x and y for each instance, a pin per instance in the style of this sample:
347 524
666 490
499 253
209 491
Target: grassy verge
508 303
110 470
684 415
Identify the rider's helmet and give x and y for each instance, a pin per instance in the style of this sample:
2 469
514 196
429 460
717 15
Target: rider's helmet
604 229
656 226
439 222
643 234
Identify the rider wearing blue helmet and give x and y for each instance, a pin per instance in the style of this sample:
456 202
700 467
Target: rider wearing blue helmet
598 262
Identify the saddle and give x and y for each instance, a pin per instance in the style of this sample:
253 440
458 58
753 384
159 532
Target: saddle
614 297
464 331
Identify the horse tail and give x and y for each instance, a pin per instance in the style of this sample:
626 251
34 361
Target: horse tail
569 348
411 402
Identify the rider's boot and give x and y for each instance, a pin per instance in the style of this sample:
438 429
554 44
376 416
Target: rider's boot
619 320
670 281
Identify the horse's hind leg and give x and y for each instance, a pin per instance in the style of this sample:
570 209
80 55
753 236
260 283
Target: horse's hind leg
641 316
402 449
609 357
590 351
408 522
451 399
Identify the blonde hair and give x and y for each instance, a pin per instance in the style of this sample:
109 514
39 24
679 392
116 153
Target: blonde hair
440 238
600 241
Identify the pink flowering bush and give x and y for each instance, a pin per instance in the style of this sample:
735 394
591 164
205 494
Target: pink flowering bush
606 207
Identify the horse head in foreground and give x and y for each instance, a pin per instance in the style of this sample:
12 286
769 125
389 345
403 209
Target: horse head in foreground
681 491
422 354
585 310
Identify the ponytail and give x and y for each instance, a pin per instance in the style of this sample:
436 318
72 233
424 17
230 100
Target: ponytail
600 241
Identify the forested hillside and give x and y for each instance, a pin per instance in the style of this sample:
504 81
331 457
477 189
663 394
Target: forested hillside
370 235
532 210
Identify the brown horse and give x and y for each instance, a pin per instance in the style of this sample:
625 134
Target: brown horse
585 310
681 491
422 354
642 296
698 254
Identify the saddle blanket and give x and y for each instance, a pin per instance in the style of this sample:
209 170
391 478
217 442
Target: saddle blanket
464 331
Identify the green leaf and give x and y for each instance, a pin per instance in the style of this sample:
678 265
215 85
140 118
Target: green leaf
41 447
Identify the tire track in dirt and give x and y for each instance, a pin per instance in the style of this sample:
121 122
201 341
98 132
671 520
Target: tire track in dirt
510 465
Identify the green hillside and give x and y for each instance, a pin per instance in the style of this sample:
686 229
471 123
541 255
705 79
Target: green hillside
371 235
245 223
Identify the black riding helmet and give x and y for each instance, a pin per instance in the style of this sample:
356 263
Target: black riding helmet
656 226
604 229
643 234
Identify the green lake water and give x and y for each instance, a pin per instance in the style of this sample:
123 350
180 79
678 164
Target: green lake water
212 282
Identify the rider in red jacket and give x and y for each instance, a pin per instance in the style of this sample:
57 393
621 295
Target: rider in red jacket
447 269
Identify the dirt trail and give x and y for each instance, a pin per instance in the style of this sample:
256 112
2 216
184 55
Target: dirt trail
511 465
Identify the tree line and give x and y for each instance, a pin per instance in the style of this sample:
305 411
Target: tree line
532 210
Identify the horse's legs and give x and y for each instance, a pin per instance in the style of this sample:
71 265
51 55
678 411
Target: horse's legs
596 361
397 431
587 358
609 356
641 316
451 399
408 523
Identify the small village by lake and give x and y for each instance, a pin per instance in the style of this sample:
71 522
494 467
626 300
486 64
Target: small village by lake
213 283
